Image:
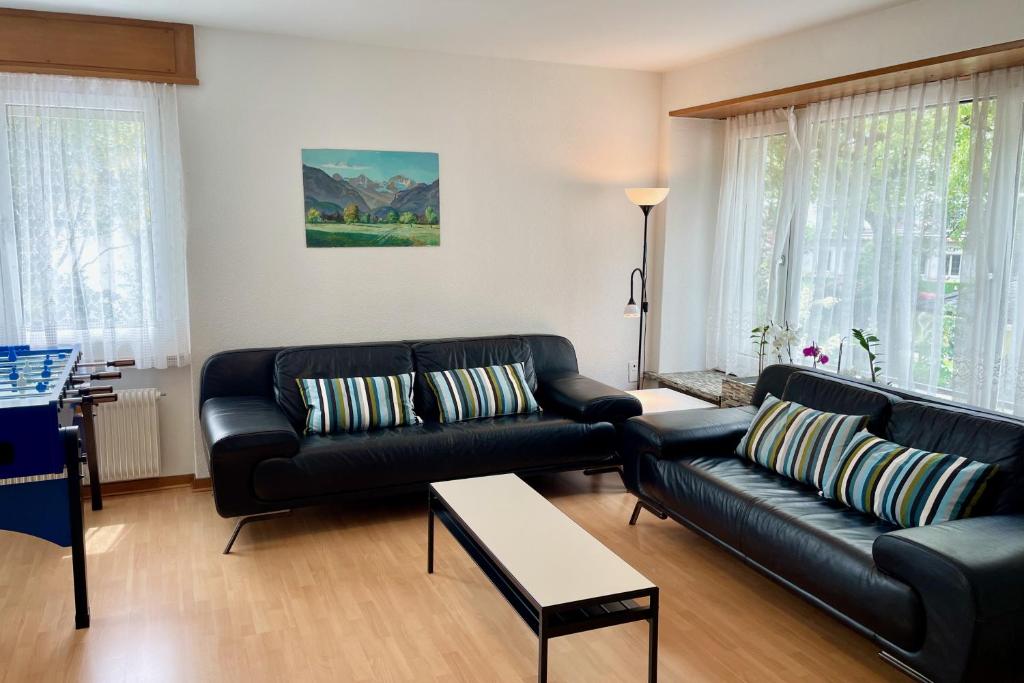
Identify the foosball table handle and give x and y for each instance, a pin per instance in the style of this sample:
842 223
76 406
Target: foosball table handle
106 374
119 363
86 390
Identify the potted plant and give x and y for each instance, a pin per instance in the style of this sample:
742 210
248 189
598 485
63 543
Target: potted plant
869 342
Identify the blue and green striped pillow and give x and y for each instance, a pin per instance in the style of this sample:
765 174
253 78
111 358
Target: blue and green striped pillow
796 441
469 393
357 404
906 486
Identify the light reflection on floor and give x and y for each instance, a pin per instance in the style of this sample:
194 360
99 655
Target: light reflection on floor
101 539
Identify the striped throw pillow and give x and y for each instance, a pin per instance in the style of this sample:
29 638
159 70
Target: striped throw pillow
906 486
470 393
357 404
798 442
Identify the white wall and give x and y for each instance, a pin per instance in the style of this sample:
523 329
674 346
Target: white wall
678 312
536 234
903 33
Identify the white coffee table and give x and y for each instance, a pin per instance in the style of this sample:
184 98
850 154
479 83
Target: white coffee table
665 400
558 578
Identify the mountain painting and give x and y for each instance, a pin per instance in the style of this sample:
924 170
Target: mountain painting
363 198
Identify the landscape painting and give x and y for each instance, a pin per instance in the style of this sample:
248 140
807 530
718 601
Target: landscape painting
363 198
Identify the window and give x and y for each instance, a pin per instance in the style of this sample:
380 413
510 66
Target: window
899 213
953 262
91 218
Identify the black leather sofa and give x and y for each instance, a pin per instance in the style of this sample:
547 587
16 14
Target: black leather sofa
252 418
944 602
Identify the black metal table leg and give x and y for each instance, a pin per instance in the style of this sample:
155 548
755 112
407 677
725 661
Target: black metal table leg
430 532
652 638
542 654
73 462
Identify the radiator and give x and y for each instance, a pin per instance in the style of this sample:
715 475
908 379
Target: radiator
128 436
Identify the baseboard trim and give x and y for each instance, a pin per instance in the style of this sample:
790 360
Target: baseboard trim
120 488
202 484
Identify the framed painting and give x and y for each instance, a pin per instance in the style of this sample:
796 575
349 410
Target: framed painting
366 198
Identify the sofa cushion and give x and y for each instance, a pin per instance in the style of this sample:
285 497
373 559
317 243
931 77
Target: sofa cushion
906 486
821 548
420 454
472 393
796 441
479 352
834 395
341 360
976 435
357 404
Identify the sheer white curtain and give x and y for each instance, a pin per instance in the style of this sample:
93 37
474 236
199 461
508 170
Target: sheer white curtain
92 223
899 212
753 207
872 227
990 322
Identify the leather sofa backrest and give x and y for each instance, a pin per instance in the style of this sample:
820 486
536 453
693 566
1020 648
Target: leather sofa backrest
242 372
836 395
971 434
341 360
450 354
553 356
772 380
254 372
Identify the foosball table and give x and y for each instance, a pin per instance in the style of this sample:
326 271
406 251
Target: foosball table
41 454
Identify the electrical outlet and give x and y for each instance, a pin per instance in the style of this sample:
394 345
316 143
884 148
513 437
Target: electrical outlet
632 370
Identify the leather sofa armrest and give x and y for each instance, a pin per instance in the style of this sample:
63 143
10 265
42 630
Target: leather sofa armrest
586 400
968 573
239 432
240 423
675 434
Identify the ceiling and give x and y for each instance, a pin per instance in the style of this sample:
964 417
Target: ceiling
652 35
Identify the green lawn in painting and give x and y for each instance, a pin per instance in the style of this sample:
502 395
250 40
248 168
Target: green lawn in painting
372 235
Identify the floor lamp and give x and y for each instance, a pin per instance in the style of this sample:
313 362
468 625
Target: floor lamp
646 198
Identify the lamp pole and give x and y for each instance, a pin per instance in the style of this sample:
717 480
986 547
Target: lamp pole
646 198
646 208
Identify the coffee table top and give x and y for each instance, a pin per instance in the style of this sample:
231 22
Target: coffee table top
666 400
552 558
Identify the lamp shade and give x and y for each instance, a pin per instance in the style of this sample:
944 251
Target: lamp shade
632 310
647 196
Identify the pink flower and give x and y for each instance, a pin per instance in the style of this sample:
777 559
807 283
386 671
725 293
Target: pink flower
823 359
811 351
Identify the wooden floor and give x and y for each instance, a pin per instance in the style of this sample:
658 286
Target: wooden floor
341 593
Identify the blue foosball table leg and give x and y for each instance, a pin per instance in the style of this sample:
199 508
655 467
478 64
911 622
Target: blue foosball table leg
73 455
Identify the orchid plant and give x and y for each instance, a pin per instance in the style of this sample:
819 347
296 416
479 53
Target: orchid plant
783 339
776 339
815 353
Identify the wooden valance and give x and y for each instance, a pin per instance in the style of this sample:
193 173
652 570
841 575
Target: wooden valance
953 65
104 47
